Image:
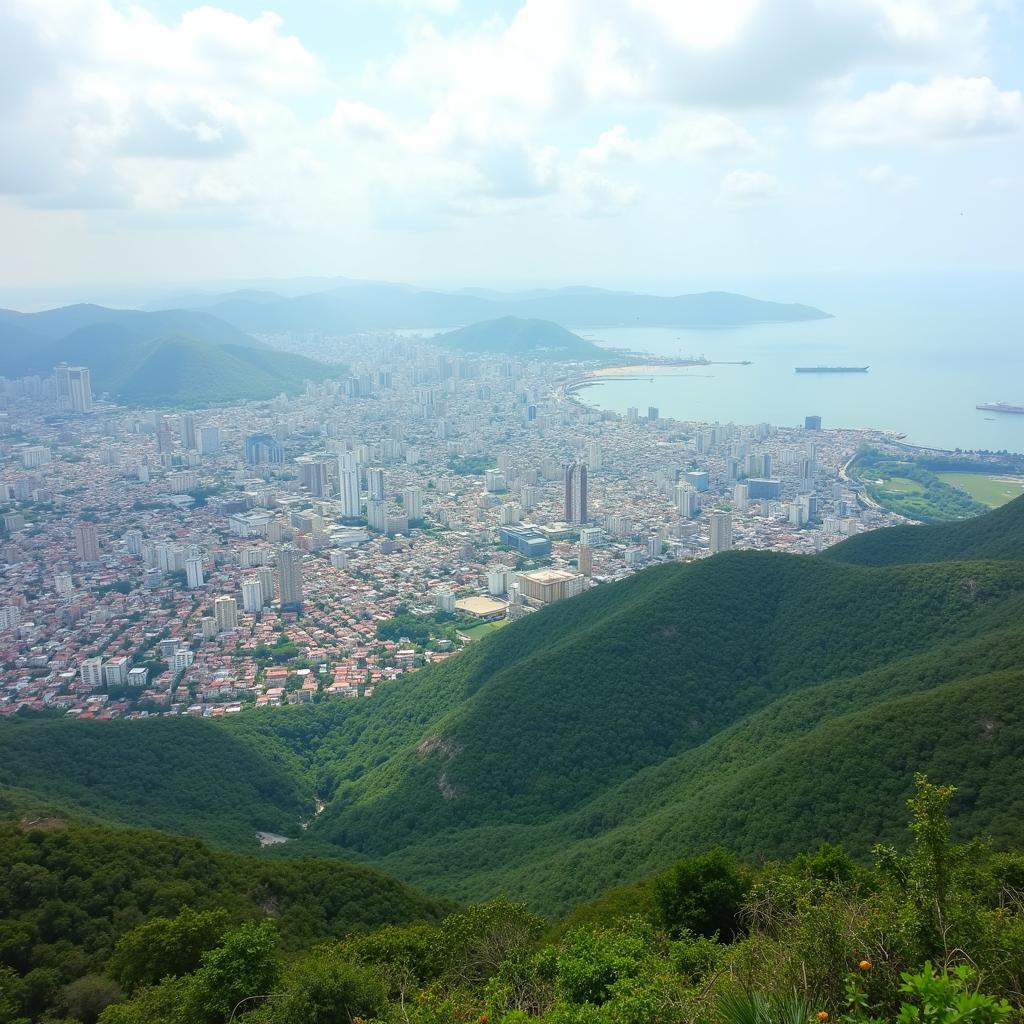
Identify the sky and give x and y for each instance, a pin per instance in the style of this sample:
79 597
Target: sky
504 143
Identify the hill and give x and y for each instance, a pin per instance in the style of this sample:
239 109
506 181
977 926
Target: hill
361 306
182 371
594 740
759 701
998 534
141 905
181 775
60 324
514 336
176 357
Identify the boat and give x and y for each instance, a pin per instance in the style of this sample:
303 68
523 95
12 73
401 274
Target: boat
1000 407
832 369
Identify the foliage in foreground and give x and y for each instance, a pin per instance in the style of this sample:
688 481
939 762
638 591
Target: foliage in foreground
933 934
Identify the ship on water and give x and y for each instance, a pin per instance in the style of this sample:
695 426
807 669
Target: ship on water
831 369
1000 407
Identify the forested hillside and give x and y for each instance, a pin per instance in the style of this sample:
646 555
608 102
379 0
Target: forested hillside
79 901
138 928
752 699
182 775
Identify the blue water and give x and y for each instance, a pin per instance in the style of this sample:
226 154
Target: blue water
936 348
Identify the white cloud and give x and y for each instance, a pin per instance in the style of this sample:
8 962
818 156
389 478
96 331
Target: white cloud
681 138
594 195
749 187
883 176
943 110
108 94
560 56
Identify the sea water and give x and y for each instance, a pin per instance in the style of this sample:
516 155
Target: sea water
935 347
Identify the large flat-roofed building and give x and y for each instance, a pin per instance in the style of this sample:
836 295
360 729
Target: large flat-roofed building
527 540
543 586
484 608
764 487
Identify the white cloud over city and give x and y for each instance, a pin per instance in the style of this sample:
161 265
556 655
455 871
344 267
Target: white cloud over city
456 120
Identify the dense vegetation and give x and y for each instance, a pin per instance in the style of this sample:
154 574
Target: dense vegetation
515 336
750 700
77 901
181 775
128 930
906 486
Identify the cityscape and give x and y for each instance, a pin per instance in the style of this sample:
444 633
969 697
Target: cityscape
202 562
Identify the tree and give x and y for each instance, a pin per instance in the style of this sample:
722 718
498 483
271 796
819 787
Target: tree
702 895
87 997
325 988
244 965
165 947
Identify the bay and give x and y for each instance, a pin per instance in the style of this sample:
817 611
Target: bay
936 347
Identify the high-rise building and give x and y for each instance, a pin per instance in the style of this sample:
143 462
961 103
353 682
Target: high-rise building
576 493
594 454
133 542
652 413
209 441
812 423
586 559
63 583
687 500
377 514
92 673
412 498
252 595
225 612
194 572
348 469
375 484
261 449
289 571
266 577
208 625
188 431
87 542
74 389
721 532
115 672
741 496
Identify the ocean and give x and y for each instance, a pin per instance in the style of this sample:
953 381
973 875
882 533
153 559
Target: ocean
936 347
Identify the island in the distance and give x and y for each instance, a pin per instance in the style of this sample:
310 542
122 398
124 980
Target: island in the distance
512 335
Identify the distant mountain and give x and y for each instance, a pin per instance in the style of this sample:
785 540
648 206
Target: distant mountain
59 323
363 307
514 336
167 357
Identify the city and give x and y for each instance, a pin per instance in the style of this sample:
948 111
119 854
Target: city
200 562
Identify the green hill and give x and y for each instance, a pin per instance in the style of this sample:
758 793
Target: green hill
594 740
759 701
512 335
181 775
998 534
138 905
182 371
169 357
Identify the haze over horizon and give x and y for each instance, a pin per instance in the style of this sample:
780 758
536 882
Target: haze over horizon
452 143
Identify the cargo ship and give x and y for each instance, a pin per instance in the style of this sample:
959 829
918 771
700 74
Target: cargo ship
831 369
1000 407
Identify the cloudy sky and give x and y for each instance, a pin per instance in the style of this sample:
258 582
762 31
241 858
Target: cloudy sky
503 141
